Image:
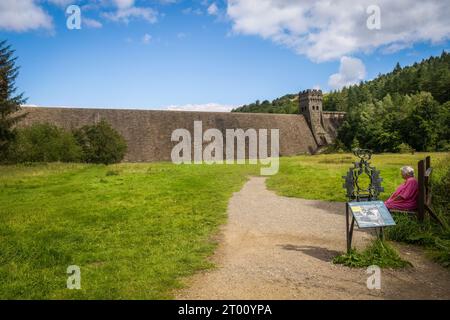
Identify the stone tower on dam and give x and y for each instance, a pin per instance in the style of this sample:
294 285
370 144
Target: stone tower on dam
148 132
310 106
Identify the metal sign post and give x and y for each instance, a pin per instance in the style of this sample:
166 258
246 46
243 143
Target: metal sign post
363 205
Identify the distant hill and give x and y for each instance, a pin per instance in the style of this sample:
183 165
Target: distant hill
430 75
285 104
407 108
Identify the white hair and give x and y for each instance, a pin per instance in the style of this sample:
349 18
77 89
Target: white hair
407 171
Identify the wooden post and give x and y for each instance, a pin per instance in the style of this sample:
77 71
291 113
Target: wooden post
427 180
421 181
427 163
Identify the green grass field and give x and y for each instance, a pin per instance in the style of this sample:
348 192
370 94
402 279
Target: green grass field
136 230
320 176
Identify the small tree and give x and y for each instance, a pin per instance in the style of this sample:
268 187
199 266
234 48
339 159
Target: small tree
101 143
9 101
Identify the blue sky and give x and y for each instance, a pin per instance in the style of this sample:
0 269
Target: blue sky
207 55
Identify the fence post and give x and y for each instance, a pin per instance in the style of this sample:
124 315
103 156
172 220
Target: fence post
421 181
428 181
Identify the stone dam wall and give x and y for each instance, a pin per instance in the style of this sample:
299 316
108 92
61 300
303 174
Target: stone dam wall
332 121
148 132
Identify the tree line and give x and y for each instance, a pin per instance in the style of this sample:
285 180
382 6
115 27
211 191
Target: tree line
408 108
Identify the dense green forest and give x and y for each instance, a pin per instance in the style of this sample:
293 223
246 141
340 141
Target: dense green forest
406 108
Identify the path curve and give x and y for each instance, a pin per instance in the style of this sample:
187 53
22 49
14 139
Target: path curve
276 247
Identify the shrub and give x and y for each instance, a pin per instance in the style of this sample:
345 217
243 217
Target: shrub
43 142
101 143
336 147
404 148
441 185
409 230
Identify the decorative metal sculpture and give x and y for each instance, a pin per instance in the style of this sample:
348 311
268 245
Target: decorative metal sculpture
354 190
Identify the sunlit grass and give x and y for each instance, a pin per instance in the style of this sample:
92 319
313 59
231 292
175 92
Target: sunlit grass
134 233
136 230
320 176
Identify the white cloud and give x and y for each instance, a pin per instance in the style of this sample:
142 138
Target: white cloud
207 107
91 23
213 9
146 38
351 71
327 30
127 11
125 15
23 15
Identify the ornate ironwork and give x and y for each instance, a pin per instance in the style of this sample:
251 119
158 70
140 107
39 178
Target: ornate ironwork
352 183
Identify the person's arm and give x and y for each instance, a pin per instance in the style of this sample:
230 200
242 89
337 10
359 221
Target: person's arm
397 198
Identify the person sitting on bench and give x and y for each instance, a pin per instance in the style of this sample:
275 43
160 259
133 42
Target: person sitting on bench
405 197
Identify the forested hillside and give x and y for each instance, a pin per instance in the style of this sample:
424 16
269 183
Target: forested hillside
406 108
284 104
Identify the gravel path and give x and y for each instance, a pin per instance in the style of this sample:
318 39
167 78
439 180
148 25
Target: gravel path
276 247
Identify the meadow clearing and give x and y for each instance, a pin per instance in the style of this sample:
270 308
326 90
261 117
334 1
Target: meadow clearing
137 230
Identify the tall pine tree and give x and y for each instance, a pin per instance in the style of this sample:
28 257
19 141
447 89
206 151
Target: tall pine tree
10 101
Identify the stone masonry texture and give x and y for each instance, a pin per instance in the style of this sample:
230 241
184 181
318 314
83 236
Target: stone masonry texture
148 132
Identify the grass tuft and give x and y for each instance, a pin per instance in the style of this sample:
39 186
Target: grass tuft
379 253
433 237
112 173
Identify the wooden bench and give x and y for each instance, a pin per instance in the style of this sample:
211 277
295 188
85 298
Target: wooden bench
424 171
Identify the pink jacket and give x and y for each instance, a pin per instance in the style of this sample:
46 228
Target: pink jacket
408 191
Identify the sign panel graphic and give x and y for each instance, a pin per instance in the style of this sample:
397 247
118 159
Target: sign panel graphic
371 214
